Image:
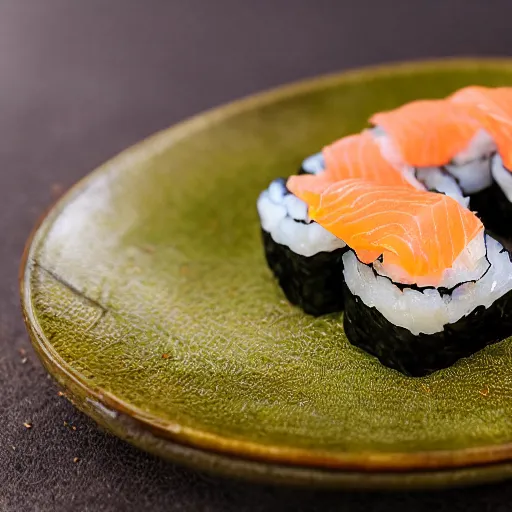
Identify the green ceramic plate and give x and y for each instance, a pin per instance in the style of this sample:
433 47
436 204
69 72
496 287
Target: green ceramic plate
147 296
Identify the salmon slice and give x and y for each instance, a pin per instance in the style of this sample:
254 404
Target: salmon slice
493 109
420 232
426 133
359 156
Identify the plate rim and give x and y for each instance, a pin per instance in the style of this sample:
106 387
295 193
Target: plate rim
362 463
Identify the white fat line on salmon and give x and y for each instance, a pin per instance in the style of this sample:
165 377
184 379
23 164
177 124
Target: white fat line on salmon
428 310
285 217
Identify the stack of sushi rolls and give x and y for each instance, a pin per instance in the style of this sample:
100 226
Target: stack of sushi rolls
424 284
305 258
404 227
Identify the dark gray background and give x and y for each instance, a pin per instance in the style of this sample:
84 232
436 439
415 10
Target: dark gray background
82 79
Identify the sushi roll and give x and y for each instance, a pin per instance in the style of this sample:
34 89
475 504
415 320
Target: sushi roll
424 285
493 108
440 137
304 257
418 330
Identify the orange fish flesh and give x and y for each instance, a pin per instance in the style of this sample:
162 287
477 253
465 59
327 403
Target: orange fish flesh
493 108
427 133
359 156
422 233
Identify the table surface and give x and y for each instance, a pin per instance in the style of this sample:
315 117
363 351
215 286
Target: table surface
80 81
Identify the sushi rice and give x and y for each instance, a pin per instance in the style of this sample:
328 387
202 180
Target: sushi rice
472 166
502 176
285 218
313 164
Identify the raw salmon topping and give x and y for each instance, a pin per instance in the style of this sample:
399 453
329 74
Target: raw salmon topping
359 156
493 109
421 232
426 133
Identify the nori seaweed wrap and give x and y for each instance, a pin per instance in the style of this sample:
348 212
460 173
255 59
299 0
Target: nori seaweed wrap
488 302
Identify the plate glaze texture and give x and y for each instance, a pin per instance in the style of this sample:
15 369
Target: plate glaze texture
147 297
